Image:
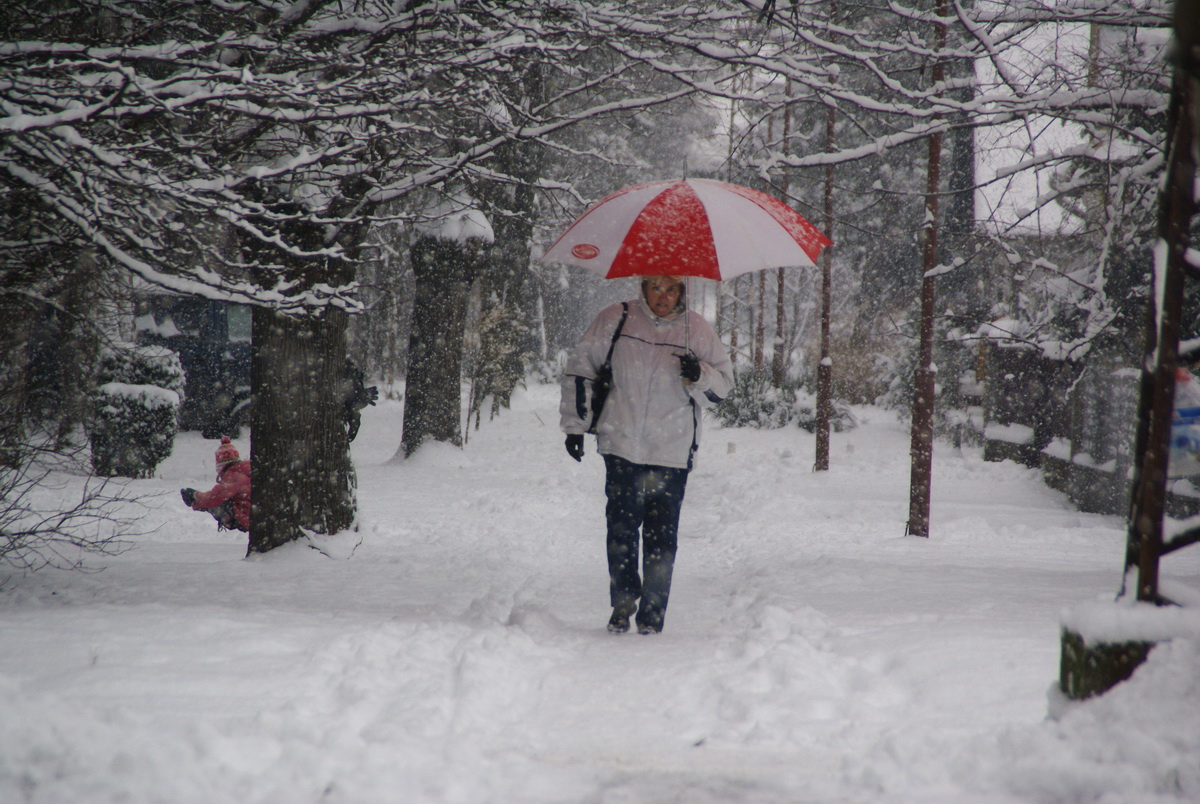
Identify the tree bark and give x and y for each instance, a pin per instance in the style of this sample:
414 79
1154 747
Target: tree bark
760 331
444 271
302 475
825 366
779 353
921 448
1144 544
510 296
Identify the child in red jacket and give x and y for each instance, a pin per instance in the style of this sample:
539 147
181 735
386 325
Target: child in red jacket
229 500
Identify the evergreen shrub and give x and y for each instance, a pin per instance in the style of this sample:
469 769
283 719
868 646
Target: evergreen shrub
135 410
754 402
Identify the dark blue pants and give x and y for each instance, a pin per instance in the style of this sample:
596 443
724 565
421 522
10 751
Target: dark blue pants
643 506
226 519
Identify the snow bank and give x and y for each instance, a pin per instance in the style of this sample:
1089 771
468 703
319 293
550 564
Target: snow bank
453 649
1008 433
1132 622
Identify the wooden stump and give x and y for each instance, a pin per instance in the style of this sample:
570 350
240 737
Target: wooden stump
1088 670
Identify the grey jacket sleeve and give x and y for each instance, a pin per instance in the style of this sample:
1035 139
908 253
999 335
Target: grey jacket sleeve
716 369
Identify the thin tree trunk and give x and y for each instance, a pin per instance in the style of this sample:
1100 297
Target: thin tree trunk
779 354
825 366
760 332
921 449
1156 401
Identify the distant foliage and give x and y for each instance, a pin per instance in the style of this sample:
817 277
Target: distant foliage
497 366
754 402
135 410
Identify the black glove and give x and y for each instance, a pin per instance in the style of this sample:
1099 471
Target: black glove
689 367
372 395
575 447
188 495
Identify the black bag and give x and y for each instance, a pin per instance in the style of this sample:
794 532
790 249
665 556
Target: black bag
600 388
603 382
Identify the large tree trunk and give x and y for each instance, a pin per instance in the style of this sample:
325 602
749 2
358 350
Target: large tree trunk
303 478
444 271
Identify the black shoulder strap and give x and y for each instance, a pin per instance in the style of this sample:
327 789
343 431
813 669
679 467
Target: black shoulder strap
617 333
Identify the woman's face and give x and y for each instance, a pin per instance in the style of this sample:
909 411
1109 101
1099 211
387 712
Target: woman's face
662 295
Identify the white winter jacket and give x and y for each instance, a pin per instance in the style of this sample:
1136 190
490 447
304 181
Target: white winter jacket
650 417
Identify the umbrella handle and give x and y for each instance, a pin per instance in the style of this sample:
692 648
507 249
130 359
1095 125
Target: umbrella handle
687 319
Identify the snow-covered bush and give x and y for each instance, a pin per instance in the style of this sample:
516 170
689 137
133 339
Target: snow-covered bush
841 418
549 370
754 402
135 410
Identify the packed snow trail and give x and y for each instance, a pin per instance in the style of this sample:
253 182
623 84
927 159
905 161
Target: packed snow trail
454 648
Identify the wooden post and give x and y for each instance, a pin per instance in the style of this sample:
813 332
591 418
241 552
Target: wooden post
1086 670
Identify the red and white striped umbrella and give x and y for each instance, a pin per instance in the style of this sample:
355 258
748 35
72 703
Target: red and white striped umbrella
687 227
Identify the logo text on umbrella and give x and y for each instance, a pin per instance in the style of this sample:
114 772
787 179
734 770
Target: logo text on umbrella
585 251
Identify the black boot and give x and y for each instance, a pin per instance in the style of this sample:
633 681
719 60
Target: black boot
618 623
623 609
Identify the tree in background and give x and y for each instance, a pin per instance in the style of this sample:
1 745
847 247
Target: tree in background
447 257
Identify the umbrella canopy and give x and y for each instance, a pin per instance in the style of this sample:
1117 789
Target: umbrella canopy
687 227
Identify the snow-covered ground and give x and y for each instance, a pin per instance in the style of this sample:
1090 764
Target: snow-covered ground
454 649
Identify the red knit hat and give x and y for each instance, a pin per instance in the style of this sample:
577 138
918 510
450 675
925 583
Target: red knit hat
227 452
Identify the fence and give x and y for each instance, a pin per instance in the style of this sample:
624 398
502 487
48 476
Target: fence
1074 421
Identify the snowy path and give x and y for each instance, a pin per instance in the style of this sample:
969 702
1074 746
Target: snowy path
458 653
